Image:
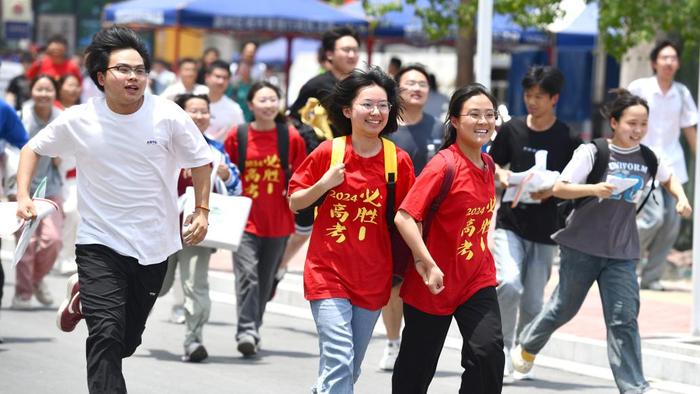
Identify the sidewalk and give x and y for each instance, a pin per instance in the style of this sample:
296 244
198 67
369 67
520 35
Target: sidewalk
671 355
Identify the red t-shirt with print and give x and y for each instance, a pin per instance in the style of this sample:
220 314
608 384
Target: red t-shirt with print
349 252
457 239
264 179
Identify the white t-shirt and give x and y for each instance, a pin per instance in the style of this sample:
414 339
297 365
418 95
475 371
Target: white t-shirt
225 114
668 114
127 167
176 89
582 161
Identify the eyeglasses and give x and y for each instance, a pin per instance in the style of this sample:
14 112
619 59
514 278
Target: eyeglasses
489 116
383 107
350 49
420 84
125 71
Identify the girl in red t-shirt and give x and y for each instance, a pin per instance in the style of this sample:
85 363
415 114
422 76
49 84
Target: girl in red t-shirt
454 274
270 221
347 277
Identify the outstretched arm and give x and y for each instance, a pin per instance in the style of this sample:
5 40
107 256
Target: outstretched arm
425 265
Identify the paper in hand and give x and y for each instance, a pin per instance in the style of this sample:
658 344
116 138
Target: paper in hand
43 208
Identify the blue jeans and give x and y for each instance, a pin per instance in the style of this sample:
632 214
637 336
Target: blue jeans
344 332
522 269
619 293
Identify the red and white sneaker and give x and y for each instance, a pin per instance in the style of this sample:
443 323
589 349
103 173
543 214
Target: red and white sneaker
69 314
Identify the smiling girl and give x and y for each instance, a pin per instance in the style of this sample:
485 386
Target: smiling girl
46 241
347 276
454 274
600 244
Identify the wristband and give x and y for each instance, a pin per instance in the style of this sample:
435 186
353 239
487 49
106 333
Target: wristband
202 208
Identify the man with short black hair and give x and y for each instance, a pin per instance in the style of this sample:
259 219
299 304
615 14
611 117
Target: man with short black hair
341 46
54 61
523 250
129 148
225 112
671 108
187 80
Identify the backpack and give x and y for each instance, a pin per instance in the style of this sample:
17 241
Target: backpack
282 147
401 254
446 185
600 165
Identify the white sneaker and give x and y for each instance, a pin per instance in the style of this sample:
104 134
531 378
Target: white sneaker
508 366
177 315
391 352
530 375
42 294
522 360
21 304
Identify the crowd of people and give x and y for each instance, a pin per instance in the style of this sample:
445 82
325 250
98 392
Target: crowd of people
395 203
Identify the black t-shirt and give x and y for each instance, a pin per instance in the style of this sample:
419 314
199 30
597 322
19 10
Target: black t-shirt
19 86
318 87
414 139
516 144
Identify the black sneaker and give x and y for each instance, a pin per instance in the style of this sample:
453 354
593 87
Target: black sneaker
247 345
195 352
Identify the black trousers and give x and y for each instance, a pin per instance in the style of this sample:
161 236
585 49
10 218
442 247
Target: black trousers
116 295
479 321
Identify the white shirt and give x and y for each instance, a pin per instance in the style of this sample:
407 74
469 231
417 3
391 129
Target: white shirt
225 114
668 114
582 161
176 89
127 168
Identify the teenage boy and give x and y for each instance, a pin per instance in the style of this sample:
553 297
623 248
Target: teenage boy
187 81
523 250
671 108
129 148
225 113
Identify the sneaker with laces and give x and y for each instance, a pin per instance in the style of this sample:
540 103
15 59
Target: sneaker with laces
391 352
522 360
21 304
247 345
42 294
195 352
70 313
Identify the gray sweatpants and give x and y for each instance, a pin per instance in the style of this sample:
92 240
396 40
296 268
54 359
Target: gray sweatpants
255 264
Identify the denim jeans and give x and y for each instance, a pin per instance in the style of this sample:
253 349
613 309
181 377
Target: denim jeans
659 225
522 269
344 332
619 293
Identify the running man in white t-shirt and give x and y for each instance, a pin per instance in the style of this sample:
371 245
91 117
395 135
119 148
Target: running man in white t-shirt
129 148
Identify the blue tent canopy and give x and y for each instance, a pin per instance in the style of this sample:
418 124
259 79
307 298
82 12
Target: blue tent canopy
273 52
289 16
583 31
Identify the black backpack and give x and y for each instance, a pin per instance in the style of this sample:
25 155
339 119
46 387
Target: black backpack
282 148
600 165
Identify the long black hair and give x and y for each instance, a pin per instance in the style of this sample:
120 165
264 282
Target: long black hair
346 90
104 42
456 102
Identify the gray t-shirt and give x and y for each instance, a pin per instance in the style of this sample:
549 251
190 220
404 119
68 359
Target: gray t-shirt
45 166
608 228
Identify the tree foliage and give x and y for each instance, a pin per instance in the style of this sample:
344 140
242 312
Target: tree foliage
621 24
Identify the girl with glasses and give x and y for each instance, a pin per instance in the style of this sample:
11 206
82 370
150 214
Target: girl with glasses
347 277
454 275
